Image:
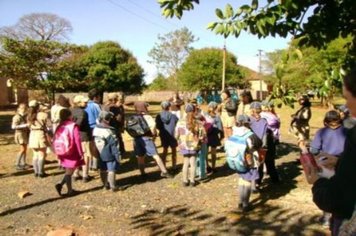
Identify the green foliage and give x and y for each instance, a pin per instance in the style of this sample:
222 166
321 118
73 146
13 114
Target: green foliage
34 64
170 51
327 20
161 83
111 68
203 70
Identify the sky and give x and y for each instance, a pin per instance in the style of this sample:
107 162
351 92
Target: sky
136 24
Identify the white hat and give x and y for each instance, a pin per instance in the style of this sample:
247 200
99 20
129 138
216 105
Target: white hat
33 103
80 98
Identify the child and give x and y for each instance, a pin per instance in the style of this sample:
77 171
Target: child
39 124
68 147
248 177
109 155
189 134
215 132
259 126
166 122
144 144
272 136
19 124
330 140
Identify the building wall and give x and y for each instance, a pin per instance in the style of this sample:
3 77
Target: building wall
255 89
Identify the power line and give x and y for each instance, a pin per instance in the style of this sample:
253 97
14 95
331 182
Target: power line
137 15
151 12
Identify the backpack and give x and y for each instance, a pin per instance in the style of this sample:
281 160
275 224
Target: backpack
63 140
109 150
235 150
136 126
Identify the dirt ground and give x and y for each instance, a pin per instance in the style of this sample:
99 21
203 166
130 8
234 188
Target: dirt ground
157 206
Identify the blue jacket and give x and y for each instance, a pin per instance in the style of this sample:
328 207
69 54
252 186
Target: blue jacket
93 109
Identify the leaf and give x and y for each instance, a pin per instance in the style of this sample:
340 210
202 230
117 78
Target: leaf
229 12
212 25
219 14
254 4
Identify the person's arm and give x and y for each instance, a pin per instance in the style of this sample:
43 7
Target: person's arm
16 123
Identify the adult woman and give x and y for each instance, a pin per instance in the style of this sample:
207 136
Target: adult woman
38 141
228 109
337 194
300 123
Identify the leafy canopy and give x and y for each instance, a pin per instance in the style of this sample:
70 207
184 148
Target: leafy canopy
203 68
315 23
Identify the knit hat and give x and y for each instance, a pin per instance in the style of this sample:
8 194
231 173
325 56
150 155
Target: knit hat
189 108
113 96
213 105
255 105
165 104
33 103
242 119
105 115
80 98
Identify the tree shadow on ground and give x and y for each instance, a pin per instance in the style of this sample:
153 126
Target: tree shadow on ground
284 149
185 220
43 202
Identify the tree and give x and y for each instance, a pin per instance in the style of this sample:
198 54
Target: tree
160 83
326 20
33 64
202 70
109 67
171 50
39 26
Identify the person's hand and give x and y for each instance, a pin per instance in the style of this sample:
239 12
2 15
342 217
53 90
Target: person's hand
311 174
326 160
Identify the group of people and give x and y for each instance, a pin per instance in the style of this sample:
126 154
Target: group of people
91 136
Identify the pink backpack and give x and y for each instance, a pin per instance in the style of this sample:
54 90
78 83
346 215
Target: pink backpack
63 139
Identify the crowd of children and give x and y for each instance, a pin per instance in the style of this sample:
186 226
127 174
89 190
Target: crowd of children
88 135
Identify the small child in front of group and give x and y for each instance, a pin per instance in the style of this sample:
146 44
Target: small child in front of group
109 155
22 132
329 140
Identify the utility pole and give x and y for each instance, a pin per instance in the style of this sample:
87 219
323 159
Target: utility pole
223 67
260 72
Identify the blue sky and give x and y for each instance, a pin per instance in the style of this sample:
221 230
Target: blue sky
135 24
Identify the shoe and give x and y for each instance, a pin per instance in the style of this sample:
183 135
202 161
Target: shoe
27 166
192 184
42 175
76 178
246 208
87 179
20 168
166 175
36 175
59 189
106 186
185 184
72 193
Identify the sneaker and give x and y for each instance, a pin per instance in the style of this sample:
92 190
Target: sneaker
72 193
185 184
59 189
20 168
87 179
76 178
27 166
166 175
192 184
42 175
106 186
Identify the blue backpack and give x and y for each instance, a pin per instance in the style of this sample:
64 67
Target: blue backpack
235 150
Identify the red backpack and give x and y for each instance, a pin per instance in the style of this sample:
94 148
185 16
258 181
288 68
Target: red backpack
63 139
